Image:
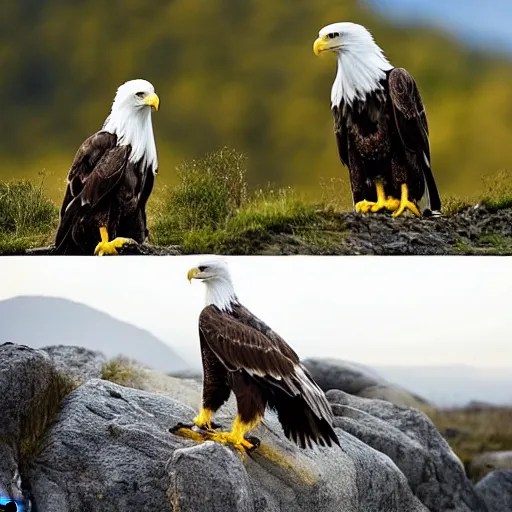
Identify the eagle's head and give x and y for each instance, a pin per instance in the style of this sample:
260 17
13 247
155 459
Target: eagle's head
136 94
130 120
344 37
210 270
219 287
361 62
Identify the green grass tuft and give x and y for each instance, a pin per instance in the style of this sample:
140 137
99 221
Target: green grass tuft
497 191
27 217
451 205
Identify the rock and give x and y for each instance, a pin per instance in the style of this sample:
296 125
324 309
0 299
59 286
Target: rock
77 362
103 446
496 490
489 461
115 442
358 380
435 474
31 390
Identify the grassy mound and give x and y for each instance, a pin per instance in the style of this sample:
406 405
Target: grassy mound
213 210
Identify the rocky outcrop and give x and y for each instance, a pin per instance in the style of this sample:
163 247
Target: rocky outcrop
359 380
108 447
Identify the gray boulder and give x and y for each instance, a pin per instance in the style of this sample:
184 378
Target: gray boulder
359 380
435 474
496 490
31 390
115 441
77 362
100 446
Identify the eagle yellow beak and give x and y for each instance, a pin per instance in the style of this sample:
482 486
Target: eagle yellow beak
320 45
153 101
192 273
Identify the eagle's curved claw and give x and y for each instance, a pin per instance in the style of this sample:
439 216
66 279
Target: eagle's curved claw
390 203
110 248
406 204
409 206
364 206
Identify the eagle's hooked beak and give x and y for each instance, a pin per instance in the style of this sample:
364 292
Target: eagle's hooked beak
324 44
192 274
153 101
320 45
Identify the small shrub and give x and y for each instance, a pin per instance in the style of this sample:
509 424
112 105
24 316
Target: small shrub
210 190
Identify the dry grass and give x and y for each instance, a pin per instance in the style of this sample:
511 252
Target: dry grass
471 431
122 371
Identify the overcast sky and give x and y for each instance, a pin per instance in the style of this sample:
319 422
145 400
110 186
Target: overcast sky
373 310
476 22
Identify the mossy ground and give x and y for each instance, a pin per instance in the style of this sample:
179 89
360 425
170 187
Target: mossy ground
212 210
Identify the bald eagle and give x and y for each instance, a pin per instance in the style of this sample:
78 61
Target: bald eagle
240 353
111 178
380 125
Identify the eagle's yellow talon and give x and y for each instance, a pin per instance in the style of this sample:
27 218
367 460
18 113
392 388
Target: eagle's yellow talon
383 202
390 204
204 419
106 247
364 206
240 443
406 204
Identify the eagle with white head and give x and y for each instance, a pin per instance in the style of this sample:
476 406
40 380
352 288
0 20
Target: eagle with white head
243 355
380 125
111 178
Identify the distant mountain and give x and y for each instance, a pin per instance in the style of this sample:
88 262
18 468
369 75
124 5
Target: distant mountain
39 321
453 385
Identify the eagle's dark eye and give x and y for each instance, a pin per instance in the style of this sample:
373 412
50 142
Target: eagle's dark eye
333 35
201 268
140 95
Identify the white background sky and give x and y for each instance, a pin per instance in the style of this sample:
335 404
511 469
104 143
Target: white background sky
373 310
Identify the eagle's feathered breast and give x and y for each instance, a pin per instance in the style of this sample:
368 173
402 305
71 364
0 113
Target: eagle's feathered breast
367 123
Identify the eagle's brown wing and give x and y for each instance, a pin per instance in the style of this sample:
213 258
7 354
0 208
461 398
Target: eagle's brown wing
240 346
412 126
97 168
269 358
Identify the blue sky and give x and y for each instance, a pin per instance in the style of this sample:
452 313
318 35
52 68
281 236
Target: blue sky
483 23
